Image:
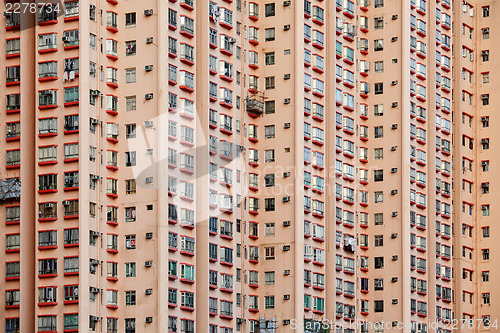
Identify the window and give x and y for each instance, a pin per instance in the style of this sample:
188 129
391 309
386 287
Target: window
486 11
12 269
379 88
269 251
485 99
47 323
269 34
130 269
270 9
269 229
379 262
72 38
13 46
270 58
270 204
130 75
485 55
130 158
269 302
378 44
486 77
130 20
71 236
269 156
486 254
269 82
379 3
379 131
379 66
486 33
379 23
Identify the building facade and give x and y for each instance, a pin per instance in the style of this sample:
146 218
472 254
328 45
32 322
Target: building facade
247 166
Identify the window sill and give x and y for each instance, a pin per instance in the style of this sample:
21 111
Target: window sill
13 55
47 191
73 18
47 163
45 135
72 103
46 275
47 247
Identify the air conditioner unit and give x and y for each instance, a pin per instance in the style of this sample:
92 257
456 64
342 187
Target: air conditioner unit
94 92
286 27
286 223
148 12
286 297
394 126
232 40
394 301
484 207
149 320
149 292
394 235
149 40
394 148
286 174
148 123
149 235
149 96
65 39
65 203
149 180
394 82
49 205
148 263
94 290
94 319
394 39
394 104
286 272
286 101
484 140
394 323
95 233
394 279
394 214
394 192
394 258
149 152
286 247
148 68
92 6
395 17
286 321
394 170
286 199
94 262
286 77
287 125
94 121
287 3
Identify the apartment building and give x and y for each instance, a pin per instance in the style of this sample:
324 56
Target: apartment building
246 166
474 144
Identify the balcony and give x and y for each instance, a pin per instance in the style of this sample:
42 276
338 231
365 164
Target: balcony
254 106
